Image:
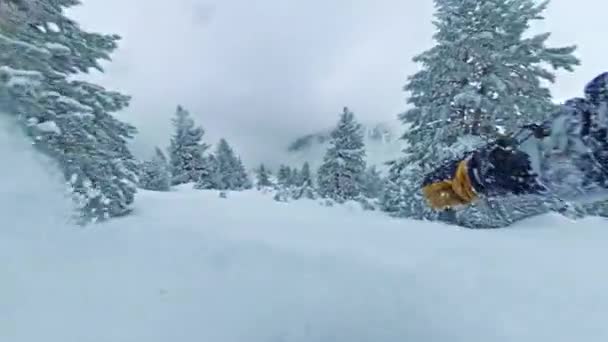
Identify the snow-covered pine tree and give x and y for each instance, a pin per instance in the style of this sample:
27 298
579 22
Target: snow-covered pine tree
42 55
285 176
599 208
284 184
373 184
306 176
232 173
305 185
263 177
340 177
482 76
155 174
243 181
209 175
225 164
394 200
187 149
295 177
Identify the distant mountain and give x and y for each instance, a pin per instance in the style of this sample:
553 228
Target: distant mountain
381 140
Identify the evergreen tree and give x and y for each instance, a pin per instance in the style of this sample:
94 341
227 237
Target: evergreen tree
305 186
285 191
155 174
209 175
232 173
70 120
295 179
226 165
263 177
394 199
242 178
306 176
482 76
373 184
285 176
340 177
186 149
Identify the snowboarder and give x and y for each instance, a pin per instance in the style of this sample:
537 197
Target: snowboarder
565 157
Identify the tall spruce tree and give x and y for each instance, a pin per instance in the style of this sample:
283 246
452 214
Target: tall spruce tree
263 177
373 183
305 178
209 174
340 177
42 53
285 176
155 174
187 149
232 173
295 177
483 76
305 186
394 199
242 177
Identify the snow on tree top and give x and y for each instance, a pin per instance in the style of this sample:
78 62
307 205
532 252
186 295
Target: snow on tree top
74 103
49 127
56 47
53 27
23 44
20 77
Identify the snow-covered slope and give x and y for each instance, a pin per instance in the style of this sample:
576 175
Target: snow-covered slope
190 266
32 193
381 141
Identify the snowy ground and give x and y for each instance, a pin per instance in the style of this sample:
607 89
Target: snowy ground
189 266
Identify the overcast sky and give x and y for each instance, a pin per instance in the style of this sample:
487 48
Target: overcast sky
261 72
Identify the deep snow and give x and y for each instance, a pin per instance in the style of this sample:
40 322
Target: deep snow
190 266
31 191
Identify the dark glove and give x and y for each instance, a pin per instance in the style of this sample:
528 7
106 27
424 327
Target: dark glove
539 131
502 169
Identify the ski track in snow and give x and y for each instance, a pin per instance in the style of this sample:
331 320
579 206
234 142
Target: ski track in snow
190 266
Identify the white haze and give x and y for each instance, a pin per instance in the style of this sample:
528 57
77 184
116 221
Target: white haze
263 72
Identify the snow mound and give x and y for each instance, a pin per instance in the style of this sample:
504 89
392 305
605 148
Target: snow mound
191 266
33 198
